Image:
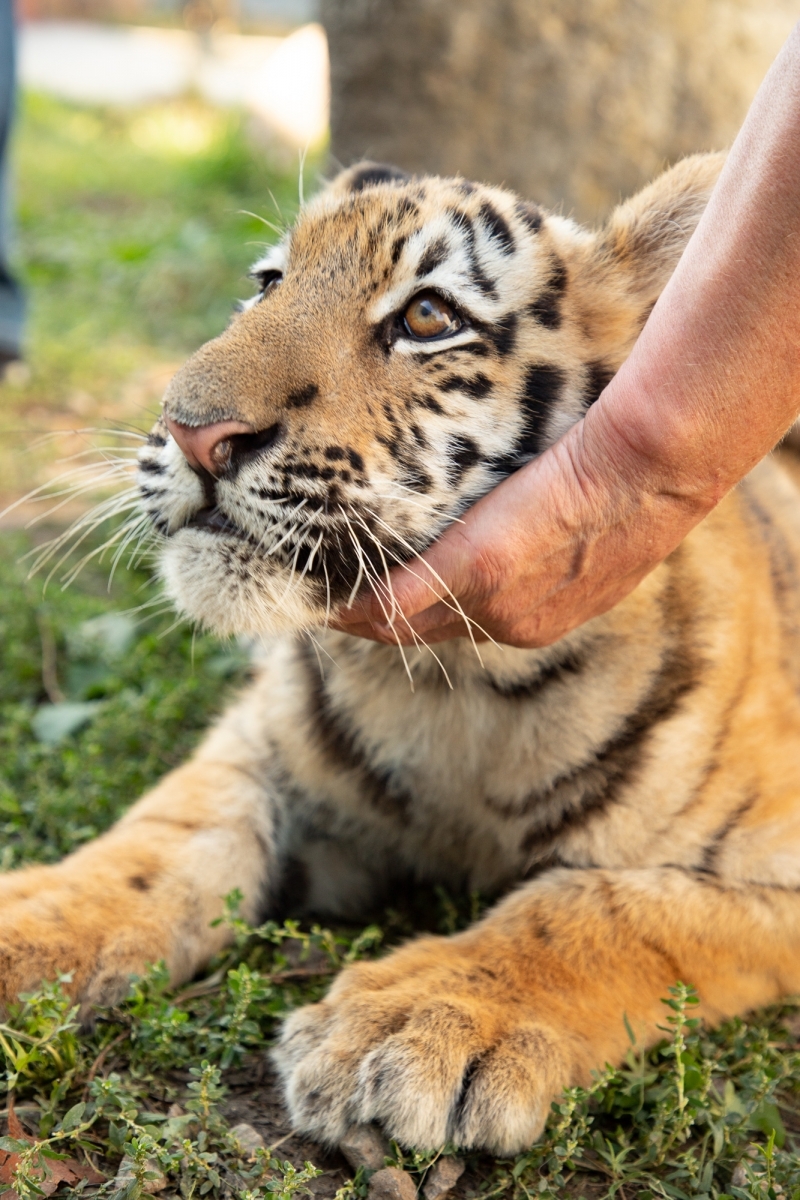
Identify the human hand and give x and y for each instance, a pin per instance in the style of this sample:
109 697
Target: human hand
560 541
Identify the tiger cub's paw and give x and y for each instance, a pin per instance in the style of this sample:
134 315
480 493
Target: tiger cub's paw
55 923
433 1044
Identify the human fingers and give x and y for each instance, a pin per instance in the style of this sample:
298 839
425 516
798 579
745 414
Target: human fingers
406 635
405 592
439 575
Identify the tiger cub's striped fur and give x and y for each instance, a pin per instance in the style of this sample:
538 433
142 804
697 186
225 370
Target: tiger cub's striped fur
637 784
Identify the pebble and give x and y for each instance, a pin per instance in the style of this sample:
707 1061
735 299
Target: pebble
739 1176
364 1146
442 1176
391 1184
248 1138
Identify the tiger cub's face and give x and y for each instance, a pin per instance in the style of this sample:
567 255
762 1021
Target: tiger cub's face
413 342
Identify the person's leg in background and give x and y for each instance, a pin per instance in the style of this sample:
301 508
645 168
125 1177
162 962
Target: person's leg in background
12 301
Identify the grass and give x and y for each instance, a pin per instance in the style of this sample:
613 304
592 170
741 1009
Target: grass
133 250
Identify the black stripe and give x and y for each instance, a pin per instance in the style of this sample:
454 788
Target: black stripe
546 308
478 275
784 579
339 744
712 765
372 174
598 377
462 454
154 468
302 397
529 689
414 477
503 334
397 249
433 257
530 215
593 787
541 389
712 849
477 387
306 470
407 207
429 402
393 444
497 226
476 348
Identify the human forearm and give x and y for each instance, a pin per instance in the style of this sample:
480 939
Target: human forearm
714 380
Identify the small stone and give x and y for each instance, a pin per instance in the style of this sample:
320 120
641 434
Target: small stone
442 1176
248 1138
392 1184
364 1146
739 1176
126 1174
175 1110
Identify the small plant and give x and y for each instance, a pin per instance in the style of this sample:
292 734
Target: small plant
39 1042
278 1180
120 1125
338 949
678 1121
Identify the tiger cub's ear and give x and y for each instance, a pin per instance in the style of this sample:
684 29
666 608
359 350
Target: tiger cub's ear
367 174
625 266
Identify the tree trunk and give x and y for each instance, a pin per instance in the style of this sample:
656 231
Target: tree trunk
570 102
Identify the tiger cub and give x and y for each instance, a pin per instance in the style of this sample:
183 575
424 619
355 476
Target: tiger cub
635 788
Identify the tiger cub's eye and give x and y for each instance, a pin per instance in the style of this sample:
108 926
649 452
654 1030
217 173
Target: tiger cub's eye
429 316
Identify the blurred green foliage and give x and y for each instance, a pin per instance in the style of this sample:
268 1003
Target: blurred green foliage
153 697
133 234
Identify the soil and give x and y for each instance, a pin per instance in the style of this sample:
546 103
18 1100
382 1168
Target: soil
255 1097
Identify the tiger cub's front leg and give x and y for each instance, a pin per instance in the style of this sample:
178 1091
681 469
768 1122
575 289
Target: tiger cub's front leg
146 890
470 1038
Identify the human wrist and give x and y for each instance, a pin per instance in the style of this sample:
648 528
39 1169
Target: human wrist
644 450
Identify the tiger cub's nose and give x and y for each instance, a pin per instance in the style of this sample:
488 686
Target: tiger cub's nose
208 446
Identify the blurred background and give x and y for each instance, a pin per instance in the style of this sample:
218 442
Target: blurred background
157 146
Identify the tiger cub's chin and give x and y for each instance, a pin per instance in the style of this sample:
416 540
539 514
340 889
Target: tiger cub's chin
258 599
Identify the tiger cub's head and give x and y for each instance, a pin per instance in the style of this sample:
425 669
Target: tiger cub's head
413 342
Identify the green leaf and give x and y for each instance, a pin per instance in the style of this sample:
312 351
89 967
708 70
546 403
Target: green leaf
52 723
73 1117
767 1119
13 1145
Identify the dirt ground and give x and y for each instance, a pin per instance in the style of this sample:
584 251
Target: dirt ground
255 1097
